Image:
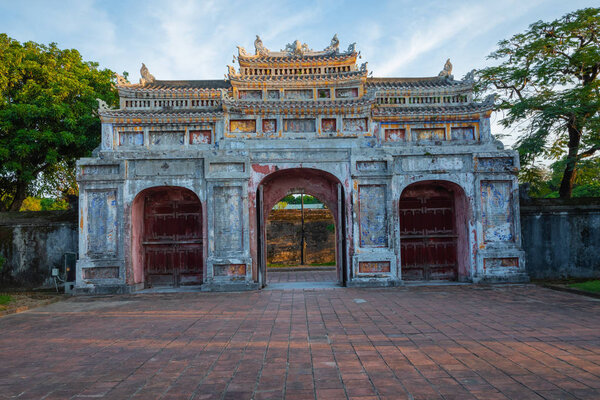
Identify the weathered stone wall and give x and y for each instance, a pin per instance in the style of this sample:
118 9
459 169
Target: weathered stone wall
561 238
32 243
284 233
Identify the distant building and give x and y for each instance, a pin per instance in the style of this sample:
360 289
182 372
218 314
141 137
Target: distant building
188 171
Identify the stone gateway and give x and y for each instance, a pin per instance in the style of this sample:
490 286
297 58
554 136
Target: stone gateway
180 190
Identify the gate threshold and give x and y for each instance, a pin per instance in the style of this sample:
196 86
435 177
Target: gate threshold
302 285
171 289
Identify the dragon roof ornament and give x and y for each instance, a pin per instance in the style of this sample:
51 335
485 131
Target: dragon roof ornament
147 77
447 71
295 49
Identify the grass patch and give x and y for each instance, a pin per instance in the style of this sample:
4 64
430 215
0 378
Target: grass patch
4 299
589 286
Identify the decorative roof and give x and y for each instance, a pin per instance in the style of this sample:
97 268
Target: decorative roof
294 51
312 106
146 114
428 82
300 77
454 109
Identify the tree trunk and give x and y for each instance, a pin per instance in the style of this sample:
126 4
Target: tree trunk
566 185
20 196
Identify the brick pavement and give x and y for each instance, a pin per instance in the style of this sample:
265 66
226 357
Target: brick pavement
446 342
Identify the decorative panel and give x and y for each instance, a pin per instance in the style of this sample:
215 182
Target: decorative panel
228 219
101 273
372 216
428 134
242 125
226 167
355 125
272 94
232 270
430 163
201 137
373 267
163 167
328 124
499 164
463 133
269 125
395 135
250 94
299 125
102 223
346 93
497 218
100 170
171 138
127 139
301 94
323 93
500 265
371 166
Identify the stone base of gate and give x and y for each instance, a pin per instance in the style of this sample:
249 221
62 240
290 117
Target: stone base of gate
103 289
366 283
508 278
229 286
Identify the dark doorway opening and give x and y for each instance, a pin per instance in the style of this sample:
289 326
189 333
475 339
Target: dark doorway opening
432 223
301 241
172 238
297 181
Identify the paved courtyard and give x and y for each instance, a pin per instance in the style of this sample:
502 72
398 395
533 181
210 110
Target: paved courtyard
444 342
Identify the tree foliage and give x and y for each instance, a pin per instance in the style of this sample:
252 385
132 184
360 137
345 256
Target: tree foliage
48 115
549 87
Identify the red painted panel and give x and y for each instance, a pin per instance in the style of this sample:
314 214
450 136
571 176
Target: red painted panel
428 234
172 238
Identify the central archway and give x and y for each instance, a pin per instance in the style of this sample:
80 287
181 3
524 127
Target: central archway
317 183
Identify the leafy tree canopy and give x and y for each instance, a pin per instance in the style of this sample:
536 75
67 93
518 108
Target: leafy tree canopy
549 88
48 115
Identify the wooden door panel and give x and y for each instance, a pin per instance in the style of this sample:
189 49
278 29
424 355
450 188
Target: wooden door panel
172 238
428 236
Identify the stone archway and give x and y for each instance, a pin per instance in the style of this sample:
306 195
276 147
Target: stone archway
433 231
167 237
317 183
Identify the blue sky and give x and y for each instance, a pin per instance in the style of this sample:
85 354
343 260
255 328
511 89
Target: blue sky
181 39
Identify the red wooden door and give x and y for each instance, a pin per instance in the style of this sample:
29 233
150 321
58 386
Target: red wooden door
428 235
172 238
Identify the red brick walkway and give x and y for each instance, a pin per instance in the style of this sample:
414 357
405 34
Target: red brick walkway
447 342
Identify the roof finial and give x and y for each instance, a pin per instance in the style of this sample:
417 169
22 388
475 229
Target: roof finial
447 71
147 77
259 48
334 46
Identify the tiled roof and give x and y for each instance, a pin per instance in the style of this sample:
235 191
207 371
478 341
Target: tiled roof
465 108
198 84
429 82
160 113
300 77
282 57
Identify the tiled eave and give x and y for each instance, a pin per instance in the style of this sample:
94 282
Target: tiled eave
161 93
400 112
158 117
304 106
417 83
343 76
278 58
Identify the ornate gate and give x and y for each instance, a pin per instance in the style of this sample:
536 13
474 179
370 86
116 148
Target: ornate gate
172 238
428 234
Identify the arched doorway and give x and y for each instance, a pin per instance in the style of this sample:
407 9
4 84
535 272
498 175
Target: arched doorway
317 183
433 231
167 234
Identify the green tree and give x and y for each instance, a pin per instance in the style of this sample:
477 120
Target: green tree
48 114
549 87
